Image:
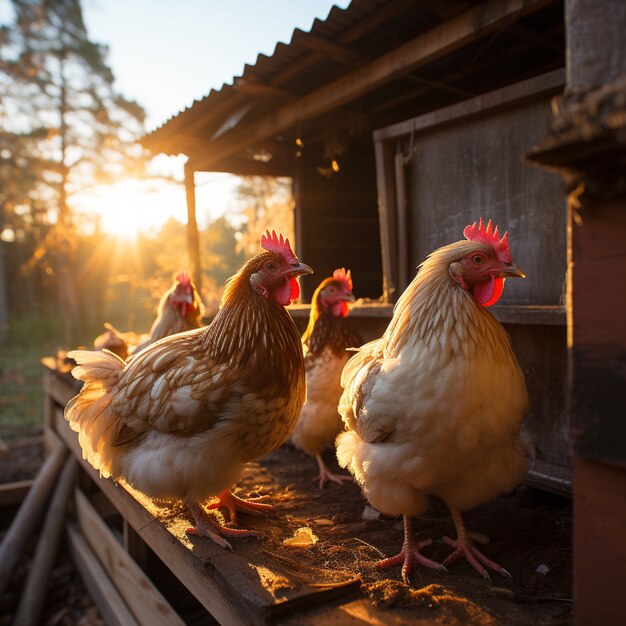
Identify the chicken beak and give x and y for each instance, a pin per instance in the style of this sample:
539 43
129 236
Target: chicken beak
512 271
347 297
298 270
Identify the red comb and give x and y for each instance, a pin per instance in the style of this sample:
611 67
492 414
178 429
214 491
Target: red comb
183 278
478 232
343 277
279 244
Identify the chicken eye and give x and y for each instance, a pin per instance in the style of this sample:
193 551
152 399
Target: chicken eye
270 265
478 259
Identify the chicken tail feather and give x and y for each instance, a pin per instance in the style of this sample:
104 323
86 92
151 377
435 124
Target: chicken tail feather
88 413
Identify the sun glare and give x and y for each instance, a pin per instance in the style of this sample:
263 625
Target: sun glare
130 207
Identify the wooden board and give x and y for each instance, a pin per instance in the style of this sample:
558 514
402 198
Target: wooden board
142 598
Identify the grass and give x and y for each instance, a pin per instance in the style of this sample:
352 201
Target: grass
21 392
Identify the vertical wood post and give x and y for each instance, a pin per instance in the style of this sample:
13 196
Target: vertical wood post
588 146
193 239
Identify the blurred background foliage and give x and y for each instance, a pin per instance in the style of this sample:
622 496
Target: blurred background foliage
64 129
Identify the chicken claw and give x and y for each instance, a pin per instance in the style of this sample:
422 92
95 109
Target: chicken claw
465 548
326 476
229 501
207 527
410 554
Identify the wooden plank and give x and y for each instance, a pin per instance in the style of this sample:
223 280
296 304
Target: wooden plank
261 90
387 218
451 35
333 51
549 83
227 584
14 493
109 602
142 598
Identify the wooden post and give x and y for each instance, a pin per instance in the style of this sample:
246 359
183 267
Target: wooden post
29 515
588 146
193 240
34 592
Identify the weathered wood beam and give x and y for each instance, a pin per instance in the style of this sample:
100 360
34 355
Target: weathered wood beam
333 51
193 239
260 89
29 515
34 592
456 33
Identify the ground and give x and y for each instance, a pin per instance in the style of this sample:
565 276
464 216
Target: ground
529 532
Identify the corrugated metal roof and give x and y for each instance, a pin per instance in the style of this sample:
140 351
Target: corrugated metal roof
351 37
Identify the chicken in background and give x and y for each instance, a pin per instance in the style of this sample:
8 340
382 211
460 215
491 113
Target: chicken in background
435 406
180 309
113 340
185 414
329 333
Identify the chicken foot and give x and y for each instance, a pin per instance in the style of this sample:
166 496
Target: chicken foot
206 526
230 501
410 554
326 475
465 548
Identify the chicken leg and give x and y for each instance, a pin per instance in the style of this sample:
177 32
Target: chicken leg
410 554
326 475
206 526
465 548
230 501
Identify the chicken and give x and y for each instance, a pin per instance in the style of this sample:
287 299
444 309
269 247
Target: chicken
325 340
183 416
113 340
180 309
435 406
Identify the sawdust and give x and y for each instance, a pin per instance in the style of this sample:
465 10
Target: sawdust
390 594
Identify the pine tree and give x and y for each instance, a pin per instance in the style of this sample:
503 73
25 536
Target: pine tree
61 93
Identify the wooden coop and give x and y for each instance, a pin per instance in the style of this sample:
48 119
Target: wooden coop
399 122
426 114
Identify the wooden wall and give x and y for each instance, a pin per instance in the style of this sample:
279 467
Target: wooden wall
464 162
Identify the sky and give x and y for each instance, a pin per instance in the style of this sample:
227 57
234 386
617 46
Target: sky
166 53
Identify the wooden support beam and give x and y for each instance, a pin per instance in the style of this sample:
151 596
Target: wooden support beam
456 33
259 89
34 592
109 602
14 493
29 515
336 52
143 599
193 239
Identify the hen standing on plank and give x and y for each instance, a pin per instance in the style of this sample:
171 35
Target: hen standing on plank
183 416
325 340
435 406
180 309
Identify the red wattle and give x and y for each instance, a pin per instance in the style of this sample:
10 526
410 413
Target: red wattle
295 288
345 309
489 291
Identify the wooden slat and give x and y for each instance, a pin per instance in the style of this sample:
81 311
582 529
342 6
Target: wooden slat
552 82
336 52
14 493
109 602
457 32
141 596
259 89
